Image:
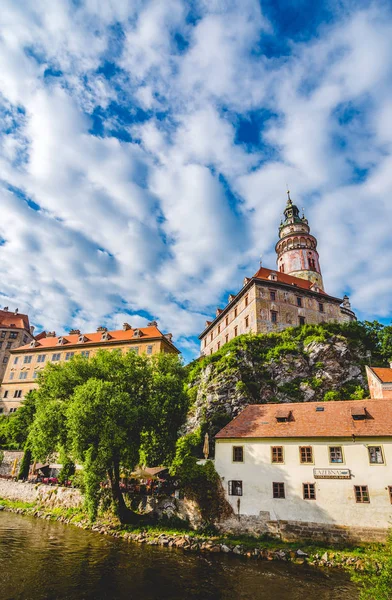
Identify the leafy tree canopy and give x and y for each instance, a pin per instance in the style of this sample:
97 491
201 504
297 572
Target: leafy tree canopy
106 413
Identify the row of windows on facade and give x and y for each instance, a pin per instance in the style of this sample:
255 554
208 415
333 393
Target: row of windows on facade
376 455
11 410
361 492
12 336
274 316
68 355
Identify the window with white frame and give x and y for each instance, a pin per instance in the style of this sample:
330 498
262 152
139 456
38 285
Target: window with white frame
41 358
56 357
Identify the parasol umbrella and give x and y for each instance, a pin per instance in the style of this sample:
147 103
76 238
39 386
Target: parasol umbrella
141 473
13 472
206 447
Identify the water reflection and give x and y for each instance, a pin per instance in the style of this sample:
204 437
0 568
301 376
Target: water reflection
42 560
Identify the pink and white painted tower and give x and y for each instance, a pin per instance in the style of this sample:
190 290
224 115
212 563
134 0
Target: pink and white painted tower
297 248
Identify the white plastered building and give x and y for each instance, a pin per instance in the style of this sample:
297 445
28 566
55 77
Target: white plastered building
314 469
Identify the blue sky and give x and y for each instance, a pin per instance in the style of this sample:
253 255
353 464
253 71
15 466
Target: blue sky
145 148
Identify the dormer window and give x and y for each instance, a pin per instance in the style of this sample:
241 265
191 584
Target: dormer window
61 341
283 416
82 338
105 336
137 333
272 277
33 343
359 414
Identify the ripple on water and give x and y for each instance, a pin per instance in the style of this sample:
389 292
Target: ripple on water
43 560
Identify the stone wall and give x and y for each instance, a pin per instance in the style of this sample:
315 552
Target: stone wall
329 534
293 531
43 494
8 462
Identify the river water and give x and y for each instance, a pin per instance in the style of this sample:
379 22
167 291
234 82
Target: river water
44 560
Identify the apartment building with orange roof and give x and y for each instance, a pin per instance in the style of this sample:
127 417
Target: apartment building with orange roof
26 362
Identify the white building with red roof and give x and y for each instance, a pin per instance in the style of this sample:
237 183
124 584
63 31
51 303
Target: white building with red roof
321 470
273 300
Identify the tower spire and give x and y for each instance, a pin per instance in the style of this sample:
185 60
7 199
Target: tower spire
297 248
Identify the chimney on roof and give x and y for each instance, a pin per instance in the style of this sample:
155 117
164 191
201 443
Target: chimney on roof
168 336
126 326
152 324
51 334
16 311
102 328
218 312
32 329
74 332
5 308
231 297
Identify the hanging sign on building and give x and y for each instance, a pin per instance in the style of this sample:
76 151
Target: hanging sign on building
332 473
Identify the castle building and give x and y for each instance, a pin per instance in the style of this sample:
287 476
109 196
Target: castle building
273 300
15 331
316 470
26 362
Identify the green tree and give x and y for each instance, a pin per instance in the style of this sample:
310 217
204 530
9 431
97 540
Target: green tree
17 431
104 412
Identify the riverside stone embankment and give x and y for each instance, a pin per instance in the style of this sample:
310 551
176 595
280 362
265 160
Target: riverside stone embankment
40 494
64 505
255 549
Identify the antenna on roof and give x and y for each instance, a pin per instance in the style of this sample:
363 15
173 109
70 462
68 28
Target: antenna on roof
261 260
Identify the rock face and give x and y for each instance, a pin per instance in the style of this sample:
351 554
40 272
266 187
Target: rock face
261 369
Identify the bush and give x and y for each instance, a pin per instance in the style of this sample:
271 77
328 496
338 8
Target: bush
199 482
376 582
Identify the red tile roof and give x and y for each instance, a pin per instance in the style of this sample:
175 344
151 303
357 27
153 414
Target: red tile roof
383 373
147 333
264 274
335 420
10 319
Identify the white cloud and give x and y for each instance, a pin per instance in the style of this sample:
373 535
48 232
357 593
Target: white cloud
169 222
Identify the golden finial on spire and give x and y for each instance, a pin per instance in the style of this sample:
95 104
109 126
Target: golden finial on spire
288 195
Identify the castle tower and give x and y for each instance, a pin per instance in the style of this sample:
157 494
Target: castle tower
297 248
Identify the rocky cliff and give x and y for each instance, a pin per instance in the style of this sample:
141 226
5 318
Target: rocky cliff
311 363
